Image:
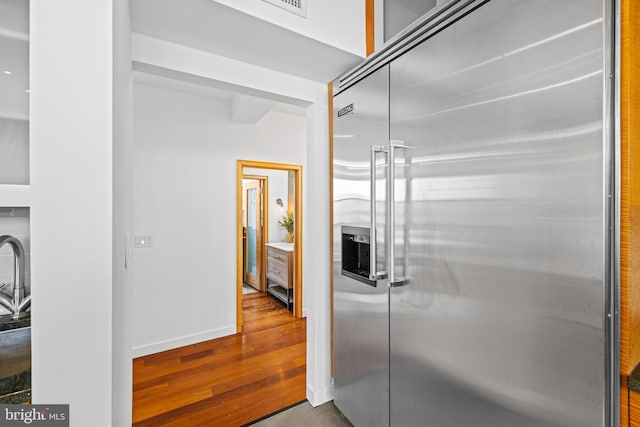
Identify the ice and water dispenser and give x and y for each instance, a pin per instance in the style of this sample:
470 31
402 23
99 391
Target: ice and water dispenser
356 244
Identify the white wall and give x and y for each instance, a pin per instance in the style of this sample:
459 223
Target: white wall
122 214
14 146
171 59
278 188
185 154
71 206
72 130
316 263
337 23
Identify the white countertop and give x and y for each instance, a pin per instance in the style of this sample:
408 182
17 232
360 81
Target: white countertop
283 246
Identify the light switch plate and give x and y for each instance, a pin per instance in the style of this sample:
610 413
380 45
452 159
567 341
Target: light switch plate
127 249
142 240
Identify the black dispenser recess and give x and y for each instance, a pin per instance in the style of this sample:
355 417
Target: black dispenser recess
355 253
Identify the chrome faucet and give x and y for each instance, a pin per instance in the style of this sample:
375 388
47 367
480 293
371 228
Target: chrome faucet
17 303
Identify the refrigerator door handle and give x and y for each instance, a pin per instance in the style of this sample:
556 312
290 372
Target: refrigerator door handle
374 274
394 281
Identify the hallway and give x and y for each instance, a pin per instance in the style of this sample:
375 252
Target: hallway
228 381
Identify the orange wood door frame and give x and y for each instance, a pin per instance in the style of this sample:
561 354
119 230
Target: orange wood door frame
297 236
629 195
370 26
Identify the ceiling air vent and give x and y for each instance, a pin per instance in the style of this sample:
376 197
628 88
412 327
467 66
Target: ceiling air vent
299 7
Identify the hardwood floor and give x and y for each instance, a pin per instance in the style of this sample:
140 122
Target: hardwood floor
228 381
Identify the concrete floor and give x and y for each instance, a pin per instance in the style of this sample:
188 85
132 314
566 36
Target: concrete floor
304 414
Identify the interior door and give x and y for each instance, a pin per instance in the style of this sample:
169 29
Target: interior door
500 223
254 224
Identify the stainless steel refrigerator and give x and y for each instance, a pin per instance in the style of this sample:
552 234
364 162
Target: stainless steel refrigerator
474 195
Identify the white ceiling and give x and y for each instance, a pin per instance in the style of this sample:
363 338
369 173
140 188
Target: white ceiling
207 91
201 24
218 29
182 86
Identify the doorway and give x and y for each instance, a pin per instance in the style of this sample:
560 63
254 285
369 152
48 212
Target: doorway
254 229
246 172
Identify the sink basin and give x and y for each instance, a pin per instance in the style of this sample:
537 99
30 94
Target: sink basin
282 246
15 351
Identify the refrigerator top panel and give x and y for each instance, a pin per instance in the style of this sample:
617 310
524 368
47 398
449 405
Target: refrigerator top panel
398 14
429 24
500 223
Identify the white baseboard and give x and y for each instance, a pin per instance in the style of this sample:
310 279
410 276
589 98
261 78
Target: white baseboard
318 398
156 347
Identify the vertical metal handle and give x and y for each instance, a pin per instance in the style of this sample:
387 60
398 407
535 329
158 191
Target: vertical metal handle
374 274
391 209
391 226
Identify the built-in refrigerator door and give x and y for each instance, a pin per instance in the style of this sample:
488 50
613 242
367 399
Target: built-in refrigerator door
500 225
361 331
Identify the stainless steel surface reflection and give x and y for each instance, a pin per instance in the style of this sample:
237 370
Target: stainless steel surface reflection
491 192
361 332
15 351
499 220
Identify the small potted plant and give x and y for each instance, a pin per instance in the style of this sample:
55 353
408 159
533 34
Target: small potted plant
286 222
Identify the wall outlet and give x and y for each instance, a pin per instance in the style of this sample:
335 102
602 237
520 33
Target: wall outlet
142 240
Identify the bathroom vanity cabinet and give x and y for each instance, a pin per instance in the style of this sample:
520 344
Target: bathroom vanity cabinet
280 272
